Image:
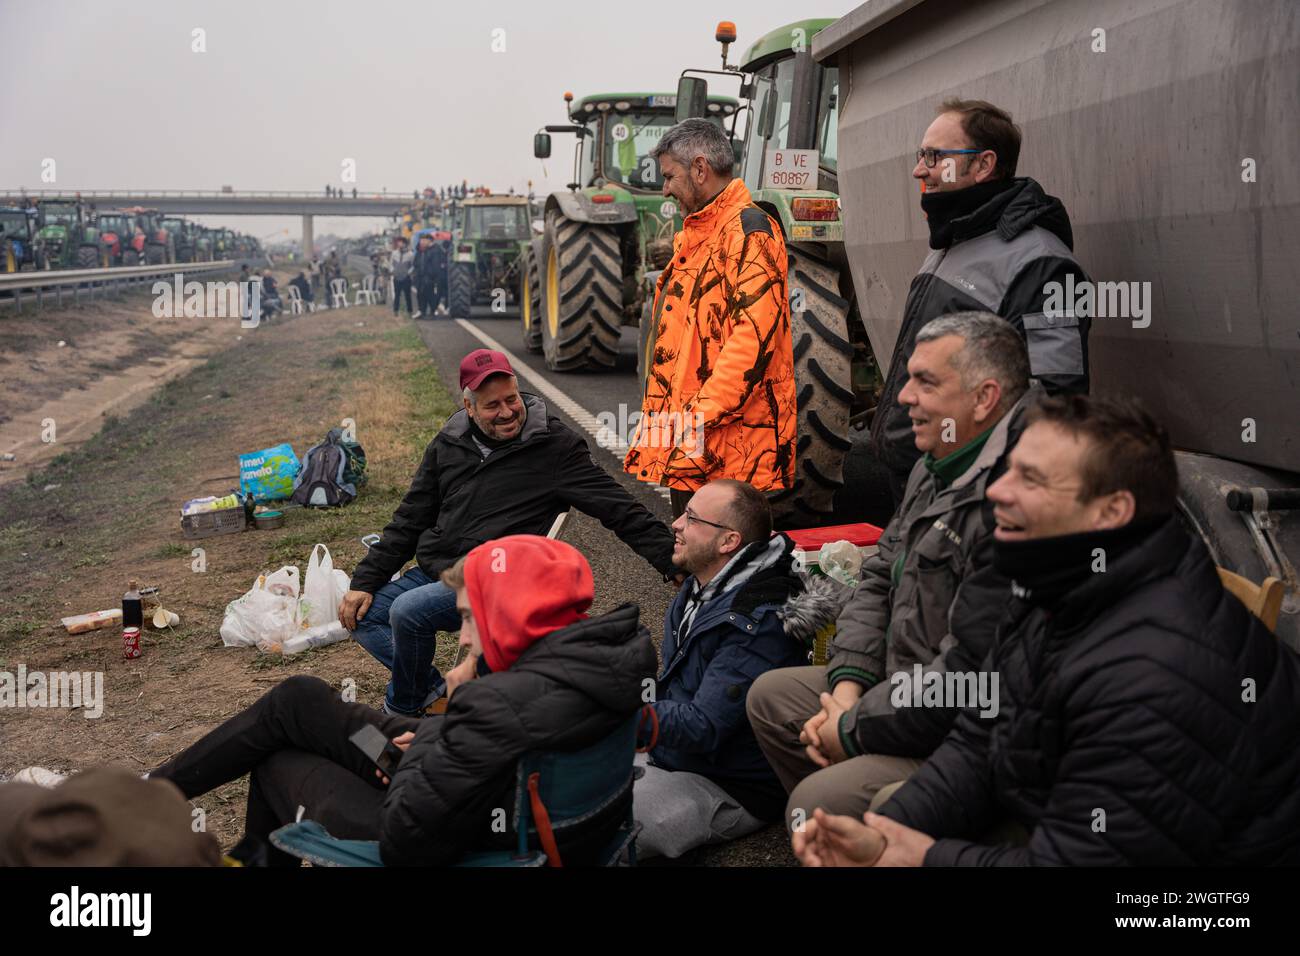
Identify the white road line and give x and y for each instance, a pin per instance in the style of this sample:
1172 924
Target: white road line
605 436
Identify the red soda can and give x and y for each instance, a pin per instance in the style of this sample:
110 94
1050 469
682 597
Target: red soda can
131 642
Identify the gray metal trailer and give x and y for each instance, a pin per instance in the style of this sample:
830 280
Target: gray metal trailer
1171 130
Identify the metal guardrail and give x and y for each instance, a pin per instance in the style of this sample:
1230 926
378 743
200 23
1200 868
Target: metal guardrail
41 283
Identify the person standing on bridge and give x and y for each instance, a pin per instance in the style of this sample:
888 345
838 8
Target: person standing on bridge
720 392
402 264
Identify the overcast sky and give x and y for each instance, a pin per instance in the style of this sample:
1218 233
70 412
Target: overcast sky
287 90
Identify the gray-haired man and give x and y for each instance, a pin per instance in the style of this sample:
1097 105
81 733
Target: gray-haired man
928 600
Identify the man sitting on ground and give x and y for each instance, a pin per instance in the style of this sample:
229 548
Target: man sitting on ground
540 675
501 465
1146 717
706 780
930 596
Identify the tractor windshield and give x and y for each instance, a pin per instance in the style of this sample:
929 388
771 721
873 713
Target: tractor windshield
117 224
769 123
497 222
59 214
13 224
629 138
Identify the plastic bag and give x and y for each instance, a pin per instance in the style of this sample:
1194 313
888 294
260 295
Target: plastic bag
323 589
268 474
841 561
266 615
276 616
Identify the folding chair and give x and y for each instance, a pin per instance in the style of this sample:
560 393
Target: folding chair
295 301
338 293
366 291
555 794
1262 600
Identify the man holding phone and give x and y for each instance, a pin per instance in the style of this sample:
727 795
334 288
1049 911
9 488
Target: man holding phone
539 675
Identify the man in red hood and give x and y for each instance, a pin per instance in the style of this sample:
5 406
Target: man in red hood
540 675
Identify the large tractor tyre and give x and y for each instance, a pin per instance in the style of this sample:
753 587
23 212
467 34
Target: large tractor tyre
647 333
530 296
130 258
823 357
155 254
88 257
460 288
582 314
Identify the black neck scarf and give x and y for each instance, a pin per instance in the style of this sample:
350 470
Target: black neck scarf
942 209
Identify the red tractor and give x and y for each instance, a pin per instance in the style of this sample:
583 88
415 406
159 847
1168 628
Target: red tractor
159 244
121 241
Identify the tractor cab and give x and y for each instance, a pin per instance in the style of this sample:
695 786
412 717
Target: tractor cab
15 239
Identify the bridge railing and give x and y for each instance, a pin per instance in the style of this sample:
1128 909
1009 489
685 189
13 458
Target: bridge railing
201 194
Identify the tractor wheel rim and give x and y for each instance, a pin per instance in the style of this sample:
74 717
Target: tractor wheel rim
553 294
526 306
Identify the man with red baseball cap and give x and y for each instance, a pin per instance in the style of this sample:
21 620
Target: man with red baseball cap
540 675
500 466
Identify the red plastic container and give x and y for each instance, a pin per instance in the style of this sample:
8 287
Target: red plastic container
812 539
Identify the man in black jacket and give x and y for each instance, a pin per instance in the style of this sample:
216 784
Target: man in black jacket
1146 718
499 466
998 244
540 675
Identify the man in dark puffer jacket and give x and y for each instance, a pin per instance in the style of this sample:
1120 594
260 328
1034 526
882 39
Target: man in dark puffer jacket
1146 717
548 678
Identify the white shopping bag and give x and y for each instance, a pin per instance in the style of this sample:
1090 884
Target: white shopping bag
323 590
266 615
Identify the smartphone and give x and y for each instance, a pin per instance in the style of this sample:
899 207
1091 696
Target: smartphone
379 750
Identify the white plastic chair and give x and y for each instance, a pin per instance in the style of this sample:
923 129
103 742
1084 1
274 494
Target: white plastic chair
366 291
295 301
338 293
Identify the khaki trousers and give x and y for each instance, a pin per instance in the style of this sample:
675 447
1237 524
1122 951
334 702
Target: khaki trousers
779 703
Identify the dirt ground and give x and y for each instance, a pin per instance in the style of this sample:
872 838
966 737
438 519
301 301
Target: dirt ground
77 364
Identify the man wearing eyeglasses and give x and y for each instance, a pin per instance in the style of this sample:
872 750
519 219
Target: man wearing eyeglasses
706 780
997 241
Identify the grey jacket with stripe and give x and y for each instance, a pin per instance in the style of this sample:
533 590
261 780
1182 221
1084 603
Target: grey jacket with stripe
1002 258
940 609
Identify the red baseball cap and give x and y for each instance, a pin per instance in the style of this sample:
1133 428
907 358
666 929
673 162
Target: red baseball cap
479 364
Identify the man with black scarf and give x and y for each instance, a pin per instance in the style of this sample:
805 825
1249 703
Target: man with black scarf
997 242
1146 717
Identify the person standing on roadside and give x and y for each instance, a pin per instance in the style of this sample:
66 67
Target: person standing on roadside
998 243
720 394
402 264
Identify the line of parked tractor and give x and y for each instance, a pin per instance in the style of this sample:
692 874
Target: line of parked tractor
74 234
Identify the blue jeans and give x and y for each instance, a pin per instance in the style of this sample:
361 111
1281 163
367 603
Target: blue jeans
400 630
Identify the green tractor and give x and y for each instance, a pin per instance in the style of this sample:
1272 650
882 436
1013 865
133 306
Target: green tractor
202 244
16 247
788 162
182 233
592 271
487 249
65 237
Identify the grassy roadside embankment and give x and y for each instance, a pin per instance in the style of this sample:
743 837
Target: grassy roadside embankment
77 530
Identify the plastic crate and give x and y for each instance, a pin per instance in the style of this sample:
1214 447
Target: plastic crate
206 524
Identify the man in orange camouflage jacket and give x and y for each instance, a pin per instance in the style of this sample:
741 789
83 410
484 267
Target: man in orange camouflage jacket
720 392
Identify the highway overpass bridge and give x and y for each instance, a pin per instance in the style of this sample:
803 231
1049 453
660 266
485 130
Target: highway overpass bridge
227 202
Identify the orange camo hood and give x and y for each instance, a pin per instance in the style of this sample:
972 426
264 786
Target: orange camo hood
521 588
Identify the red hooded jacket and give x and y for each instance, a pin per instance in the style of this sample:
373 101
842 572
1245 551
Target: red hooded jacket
521 588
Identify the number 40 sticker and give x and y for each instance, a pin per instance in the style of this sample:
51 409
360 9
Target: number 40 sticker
668 210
